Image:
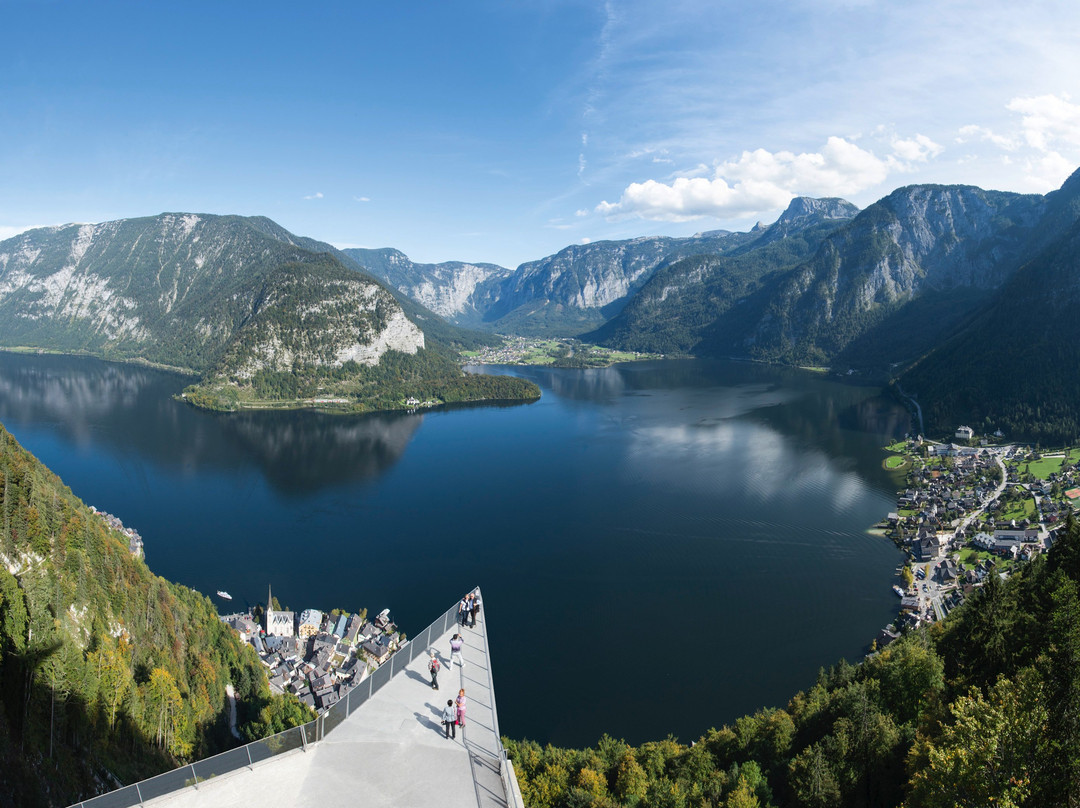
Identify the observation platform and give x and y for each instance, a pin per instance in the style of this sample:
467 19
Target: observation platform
390 750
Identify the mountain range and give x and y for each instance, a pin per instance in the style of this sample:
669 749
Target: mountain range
260 315
962 295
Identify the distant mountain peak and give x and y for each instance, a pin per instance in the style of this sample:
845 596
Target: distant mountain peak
802 207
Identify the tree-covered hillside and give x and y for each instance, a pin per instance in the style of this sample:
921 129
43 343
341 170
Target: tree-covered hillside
981 709
108 674
1013 366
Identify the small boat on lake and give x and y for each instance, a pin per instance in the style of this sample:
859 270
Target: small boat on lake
899 592
221 593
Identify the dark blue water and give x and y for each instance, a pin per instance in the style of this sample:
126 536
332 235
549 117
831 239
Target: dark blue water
662 546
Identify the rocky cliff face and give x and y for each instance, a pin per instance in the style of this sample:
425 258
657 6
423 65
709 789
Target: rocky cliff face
918 241
458 291
187 290
706 302
579 287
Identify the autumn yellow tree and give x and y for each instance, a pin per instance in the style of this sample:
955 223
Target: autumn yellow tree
111 661
165 707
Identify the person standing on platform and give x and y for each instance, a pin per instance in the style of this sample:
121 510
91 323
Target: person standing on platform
433 669
456 643
463 611
449 719
460 703
475 607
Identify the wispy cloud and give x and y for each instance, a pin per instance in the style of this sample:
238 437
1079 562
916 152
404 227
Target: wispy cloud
981 133
1044 143
316 195
361 199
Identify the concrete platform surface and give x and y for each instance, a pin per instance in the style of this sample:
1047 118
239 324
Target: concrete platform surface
390 752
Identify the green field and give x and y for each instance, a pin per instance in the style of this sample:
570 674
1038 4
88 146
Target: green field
896 462
1042 469
1020 510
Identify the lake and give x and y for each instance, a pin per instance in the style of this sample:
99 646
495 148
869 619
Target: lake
662 546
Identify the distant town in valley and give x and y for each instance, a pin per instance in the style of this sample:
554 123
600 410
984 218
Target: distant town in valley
971 508
552 352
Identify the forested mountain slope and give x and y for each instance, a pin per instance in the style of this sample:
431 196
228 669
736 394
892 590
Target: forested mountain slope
107 672
1014 366
903 255
707 304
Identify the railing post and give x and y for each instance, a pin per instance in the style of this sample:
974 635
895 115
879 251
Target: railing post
251 765
194 776
303 735
139 792
348 699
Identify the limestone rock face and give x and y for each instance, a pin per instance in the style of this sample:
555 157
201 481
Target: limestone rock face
195 292
918 242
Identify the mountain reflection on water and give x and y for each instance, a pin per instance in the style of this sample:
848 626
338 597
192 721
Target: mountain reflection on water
127 408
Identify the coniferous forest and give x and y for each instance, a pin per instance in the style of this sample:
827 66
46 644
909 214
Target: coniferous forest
108 673
980 709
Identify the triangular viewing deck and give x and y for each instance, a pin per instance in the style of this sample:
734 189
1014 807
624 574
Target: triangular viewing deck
384 745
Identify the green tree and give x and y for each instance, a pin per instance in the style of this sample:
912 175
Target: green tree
988 754
1062 682
907 577
813 780
631 782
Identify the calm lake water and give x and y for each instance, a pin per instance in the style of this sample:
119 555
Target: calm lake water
662 546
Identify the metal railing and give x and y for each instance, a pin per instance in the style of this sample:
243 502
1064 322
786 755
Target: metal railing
290 740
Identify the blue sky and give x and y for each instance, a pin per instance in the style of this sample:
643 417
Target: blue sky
503 131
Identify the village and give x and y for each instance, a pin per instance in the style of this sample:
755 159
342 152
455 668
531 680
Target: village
315 656
971 510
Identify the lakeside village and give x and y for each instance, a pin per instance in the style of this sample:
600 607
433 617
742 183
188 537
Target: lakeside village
970 510
317 657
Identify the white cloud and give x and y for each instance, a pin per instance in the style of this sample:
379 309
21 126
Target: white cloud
1044 146
316 195
1048 120
359 198
1046 172
917 149
759 181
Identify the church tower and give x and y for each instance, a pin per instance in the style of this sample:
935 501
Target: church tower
269 609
